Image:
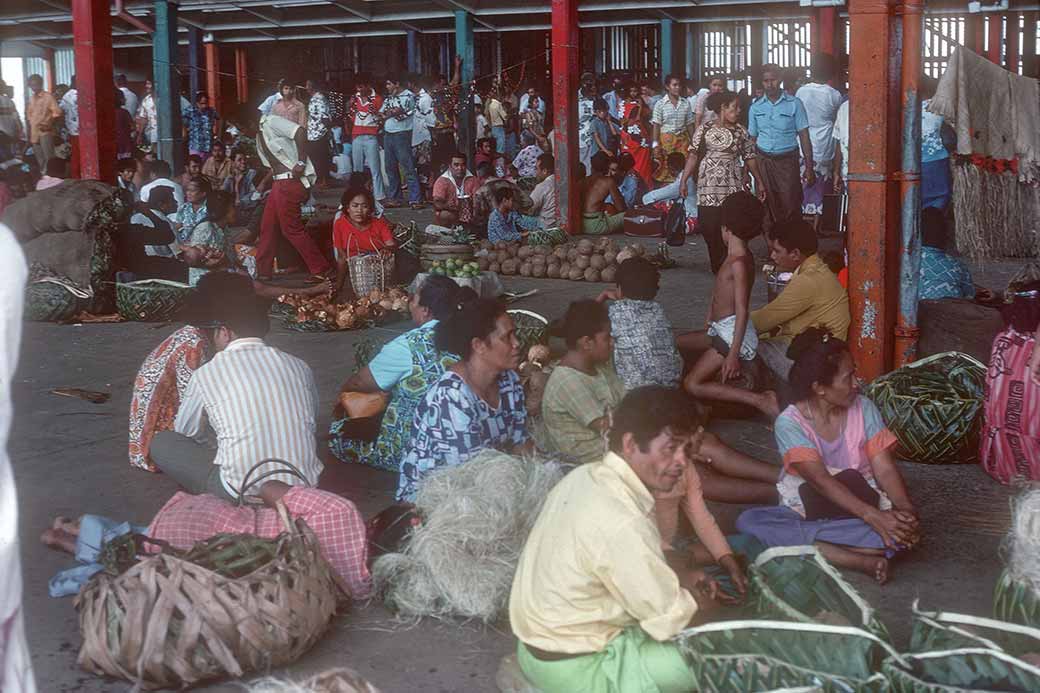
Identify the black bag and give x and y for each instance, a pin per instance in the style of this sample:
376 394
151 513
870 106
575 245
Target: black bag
675 224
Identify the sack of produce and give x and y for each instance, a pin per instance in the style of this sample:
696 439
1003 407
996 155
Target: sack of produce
934 407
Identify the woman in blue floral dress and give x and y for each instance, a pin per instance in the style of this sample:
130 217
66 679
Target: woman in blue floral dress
478 403
406 367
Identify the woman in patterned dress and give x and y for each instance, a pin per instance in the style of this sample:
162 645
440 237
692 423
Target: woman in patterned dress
478 403
726 154
405 368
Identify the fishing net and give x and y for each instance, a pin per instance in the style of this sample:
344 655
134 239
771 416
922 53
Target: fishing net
935 631
967 669
796 583
934 407
768 655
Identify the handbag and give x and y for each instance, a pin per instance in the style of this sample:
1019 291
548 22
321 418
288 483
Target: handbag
369 271
675 224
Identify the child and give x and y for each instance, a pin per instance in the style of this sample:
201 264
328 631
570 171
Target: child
605 131
125 171
731 337
504 223
644 348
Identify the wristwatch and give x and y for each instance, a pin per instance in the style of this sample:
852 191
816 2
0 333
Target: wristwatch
302 163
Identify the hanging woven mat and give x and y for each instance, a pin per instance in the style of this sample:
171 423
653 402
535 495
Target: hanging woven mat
967 669
934 407
796 583
230 605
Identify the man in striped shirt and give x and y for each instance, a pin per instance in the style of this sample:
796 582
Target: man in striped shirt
259 401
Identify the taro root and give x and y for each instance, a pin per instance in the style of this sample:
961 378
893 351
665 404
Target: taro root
591 275
582 262
597 262
552 271
576 274
608 274
525 269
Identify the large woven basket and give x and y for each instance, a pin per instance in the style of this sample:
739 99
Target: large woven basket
796 583
168 622
553 236
946 631
770 655
531 328
934 407
151 300
967 669
48 301
1016 601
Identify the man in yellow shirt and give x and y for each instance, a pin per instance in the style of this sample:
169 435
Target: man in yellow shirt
41 114
813 297
595 600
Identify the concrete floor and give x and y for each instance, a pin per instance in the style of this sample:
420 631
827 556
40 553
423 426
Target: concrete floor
70 458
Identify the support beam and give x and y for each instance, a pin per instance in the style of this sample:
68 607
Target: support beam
1029 60
906 332
467 125
826 28
690 53
92 46
213 75
994 43
194 75
758 49
241 75
565 69
873 229
48 61
666 47
165 83
413 52
1011 60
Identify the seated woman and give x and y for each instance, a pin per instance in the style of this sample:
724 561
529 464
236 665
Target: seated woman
478 403
405 368
357 232
186 520
841 489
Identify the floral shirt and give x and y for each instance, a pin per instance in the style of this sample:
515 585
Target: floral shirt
452 424
644 346
943 276
318 117
70 107
211 236
526 161
200 128
932 148
189 217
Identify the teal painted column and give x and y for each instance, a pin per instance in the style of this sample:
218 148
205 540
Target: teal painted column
667 48
413 51
194 46
466 117
165 85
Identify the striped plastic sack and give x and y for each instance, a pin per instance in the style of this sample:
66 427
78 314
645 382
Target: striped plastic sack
940 630
768 655
966 669
796 583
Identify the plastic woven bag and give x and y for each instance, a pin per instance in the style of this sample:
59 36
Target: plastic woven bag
766 655
934 406
967 669
796 583
939 630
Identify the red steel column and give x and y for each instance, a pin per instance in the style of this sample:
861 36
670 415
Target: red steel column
212 75
1012 56
873 233
825 25
996 36
92 46
974 30
241 82
565 69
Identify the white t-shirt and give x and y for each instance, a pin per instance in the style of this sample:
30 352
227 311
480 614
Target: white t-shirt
821 103
841 134
178 191
131 101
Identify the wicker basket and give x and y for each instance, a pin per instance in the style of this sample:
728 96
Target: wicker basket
768 655
49 301
796 583
169 622
934 407
151 300
945 631
531 328
967 669
1016 601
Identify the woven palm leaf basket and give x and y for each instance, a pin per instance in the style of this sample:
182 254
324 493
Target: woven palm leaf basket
796 583
1016 601
1017 594
531 328
230 605
554 236
966 669
151 300
934 407
940 630
757 655
51 301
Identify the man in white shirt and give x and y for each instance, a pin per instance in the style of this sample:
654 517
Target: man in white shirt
261 403
841 152
131 98
543 196
147 117
398 112
821 102
158 173
70 107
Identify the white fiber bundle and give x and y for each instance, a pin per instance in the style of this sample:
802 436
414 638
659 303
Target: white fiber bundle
340 680
460 561
1023 542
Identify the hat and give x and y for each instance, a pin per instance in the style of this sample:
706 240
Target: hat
223 299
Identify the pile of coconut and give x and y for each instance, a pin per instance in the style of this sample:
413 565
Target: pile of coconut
584 260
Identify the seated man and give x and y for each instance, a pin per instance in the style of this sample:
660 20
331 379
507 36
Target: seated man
147 246
248 187
260 402
543 197
218 166
484 197
813 297
632 186
157 174
595 599
669 192
453 193
596 189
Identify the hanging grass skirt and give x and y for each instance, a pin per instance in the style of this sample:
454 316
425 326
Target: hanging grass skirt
934 407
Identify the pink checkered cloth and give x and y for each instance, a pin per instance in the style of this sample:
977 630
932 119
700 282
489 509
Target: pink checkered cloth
186 520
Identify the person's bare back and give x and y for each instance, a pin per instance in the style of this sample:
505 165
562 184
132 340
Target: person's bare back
596 190
724 294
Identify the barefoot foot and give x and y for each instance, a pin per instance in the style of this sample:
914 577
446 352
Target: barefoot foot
59 540
769 404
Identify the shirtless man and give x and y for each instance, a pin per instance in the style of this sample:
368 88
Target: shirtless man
595 221
729 323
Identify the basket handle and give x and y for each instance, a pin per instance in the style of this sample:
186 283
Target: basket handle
248 481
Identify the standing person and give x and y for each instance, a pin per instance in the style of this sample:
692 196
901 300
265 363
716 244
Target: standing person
453 193
287 105
605 131
673 125
635 133
260 402
543 197
16 674
70 107
936 176
319 118
147 118
821 102
218 166
282 147
778 124
701 113
11 133
725 143
41 115
840 132
532 112
201 122
124 133
586 114
398 110
496 115
615 96
445 97
364 130
130 99
422 146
